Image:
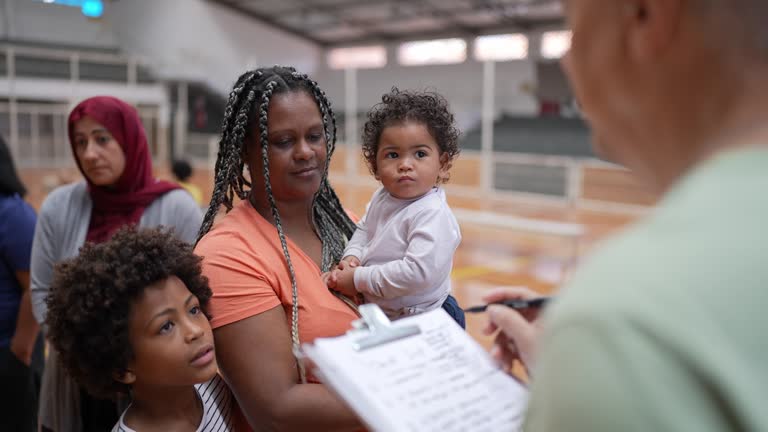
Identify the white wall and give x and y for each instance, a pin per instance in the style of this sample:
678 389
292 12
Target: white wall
461 84
199 40
39 22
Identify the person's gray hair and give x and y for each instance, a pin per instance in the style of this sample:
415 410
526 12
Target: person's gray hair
740 25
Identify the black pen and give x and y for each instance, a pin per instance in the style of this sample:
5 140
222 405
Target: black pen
514 304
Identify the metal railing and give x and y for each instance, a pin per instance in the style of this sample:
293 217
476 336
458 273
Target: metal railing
573 169
567 172
36 131
72 65
41 133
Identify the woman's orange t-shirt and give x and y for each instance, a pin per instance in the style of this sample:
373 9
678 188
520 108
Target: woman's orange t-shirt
244 263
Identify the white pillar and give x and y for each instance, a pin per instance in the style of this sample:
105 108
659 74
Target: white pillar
13 111
61 153
575 179
132 71
10 20
74 78
486 128
350 122
180 121
34 139
163 114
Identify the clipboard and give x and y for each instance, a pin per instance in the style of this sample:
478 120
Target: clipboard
421 373
375 329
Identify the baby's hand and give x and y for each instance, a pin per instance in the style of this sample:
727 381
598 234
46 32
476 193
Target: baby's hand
345 268
344 281
348 261
331 278
326 278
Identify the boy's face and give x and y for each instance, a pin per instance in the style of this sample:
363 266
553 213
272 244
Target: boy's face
171 338
408 161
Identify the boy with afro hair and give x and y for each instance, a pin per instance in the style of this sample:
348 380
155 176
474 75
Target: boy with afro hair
128 317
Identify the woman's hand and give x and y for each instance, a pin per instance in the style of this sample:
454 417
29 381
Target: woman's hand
519 330
326 278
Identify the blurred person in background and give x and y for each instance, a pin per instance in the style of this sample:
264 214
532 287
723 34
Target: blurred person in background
182 171
18 328
663 327
110 148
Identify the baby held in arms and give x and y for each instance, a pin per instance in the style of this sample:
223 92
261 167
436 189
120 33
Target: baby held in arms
401 254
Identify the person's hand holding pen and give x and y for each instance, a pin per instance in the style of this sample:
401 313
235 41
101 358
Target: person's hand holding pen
519 329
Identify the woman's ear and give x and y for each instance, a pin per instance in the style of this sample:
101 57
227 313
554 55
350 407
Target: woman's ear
125 377
245 152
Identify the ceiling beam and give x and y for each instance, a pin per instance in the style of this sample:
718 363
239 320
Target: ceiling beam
471 32
265 19
310 6
428 10
335 7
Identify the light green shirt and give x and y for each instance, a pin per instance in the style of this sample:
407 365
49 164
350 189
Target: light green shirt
665 327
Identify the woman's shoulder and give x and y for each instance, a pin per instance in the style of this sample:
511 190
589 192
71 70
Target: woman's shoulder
65 194
239 228
176 209
177 199
14 206
65 199
17 217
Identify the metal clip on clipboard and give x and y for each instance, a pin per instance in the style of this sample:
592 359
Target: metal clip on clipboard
378 329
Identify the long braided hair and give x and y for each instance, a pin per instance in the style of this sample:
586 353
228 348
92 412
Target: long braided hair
249 102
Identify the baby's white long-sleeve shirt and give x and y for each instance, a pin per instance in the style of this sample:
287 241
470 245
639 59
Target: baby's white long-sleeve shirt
405 248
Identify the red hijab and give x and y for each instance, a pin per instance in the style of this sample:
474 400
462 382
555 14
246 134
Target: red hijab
124 202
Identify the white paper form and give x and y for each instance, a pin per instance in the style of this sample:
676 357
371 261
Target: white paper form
439 380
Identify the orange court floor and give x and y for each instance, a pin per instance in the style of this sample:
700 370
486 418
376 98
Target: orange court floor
489 256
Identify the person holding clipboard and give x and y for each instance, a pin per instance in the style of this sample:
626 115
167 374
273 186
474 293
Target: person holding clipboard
662 329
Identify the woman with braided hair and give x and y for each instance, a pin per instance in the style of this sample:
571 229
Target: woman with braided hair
265 257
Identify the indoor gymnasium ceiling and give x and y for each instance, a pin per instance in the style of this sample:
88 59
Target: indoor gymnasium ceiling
345 22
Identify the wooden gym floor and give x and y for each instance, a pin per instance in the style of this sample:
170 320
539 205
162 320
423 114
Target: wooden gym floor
491 256
488 256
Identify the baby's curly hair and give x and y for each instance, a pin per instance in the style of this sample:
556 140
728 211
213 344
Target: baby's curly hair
398 107
92 294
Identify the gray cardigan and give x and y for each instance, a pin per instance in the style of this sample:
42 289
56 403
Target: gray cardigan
63 224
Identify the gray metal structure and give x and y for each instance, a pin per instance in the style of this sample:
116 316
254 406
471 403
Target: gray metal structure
347 22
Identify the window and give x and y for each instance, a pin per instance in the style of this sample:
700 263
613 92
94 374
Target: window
555 44
501 47
92 8
89 8
362 57
438 51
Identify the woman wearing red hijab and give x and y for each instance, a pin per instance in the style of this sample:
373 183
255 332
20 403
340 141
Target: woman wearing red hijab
110 148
